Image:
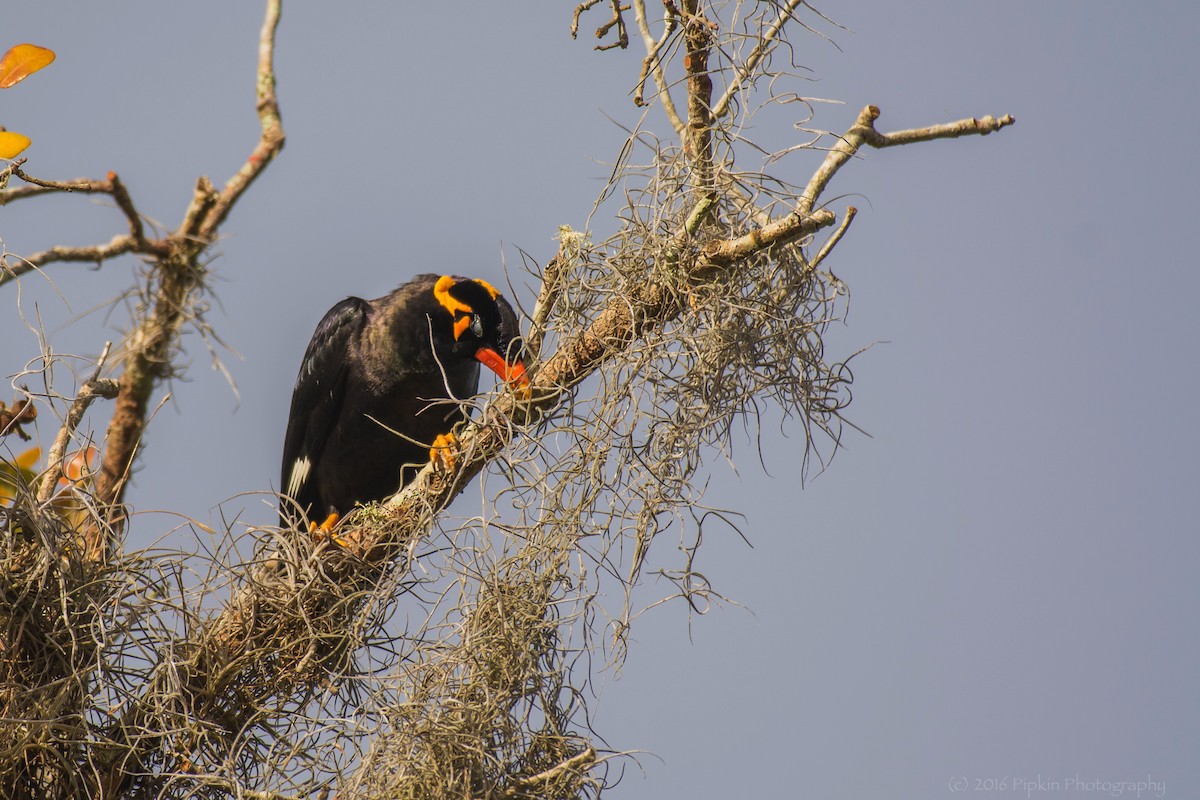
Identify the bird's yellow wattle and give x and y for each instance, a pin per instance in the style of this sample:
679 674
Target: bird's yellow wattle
460 326
456 307
441 291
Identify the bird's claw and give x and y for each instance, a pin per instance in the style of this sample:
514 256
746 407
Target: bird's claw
444 453
325 529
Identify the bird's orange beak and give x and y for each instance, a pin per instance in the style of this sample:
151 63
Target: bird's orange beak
510 373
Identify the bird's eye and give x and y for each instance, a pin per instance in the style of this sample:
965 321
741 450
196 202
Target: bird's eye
477 326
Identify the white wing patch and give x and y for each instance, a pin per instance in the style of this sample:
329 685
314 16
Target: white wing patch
300 469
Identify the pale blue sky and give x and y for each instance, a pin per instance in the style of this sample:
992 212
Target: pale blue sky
999 583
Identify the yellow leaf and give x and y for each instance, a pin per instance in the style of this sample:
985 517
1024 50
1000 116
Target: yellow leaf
17 473
11 144
21 61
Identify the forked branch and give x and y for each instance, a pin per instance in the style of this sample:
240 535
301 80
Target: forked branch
177 275
133 242
863 132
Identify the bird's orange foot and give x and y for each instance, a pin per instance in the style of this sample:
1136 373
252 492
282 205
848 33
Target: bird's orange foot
326 528
444 453
523 390
327 525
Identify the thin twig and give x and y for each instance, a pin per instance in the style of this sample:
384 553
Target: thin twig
94 254
125 203
579 9
761 48
133 242
272 139
522 787
653 62
950 130
92 388
834 238
84 185
618 19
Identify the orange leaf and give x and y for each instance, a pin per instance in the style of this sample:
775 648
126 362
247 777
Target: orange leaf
30 457
79 466
21 61
11 144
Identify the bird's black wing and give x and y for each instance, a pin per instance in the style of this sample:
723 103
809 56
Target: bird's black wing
316 402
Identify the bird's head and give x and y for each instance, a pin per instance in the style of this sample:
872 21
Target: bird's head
483 326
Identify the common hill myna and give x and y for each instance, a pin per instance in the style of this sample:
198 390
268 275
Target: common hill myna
380 389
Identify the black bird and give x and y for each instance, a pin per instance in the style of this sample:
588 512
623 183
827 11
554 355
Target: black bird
379 386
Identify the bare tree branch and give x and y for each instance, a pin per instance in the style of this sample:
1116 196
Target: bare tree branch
652 63
272 140
836 237
177 276
697 141
863 132
133 242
